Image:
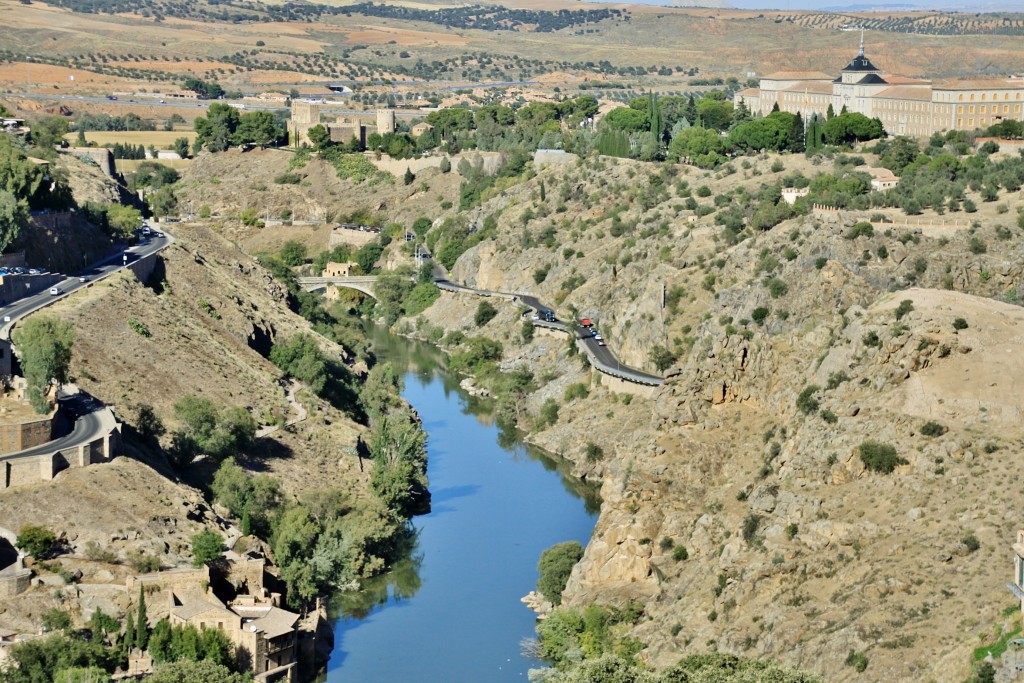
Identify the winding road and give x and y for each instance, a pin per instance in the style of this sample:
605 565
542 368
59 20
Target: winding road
600 356
92 419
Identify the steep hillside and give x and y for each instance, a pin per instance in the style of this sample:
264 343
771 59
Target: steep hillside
202 327
795 550
787 352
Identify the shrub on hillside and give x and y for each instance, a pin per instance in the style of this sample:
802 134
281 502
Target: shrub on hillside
879 457
555 565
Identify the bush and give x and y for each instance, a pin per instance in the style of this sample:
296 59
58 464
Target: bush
932 428
207 546
555 565
679 553
858 660
959 324
820 262
485 312
971 542
791 531
829 417
139 328
977 246
36 540
759 315
750 526
776 287
806 402
906 306
871 339
576 390
549 412
862 229
879 457
594 452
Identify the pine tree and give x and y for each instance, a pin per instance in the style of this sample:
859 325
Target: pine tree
409 176
775 107
741 114
142 623
830 113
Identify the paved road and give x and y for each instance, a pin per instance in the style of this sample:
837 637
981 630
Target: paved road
92 419
91 422
600 356
97 271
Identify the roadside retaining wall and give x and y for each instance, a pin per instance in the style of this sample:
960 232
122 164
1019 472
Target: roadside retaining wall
16 287
22 435
144 267
21 470
621 386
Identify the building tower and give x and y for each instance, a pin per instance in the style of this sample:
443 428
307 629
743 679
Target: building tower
385 121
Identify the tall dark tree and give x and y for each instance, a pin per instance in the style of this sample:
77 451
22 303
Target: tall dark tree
830 112
796 134
142 623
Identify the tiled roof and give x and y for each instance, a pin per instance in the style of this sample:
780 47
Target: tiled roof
798 76
906 92
276 622
980 84
816 87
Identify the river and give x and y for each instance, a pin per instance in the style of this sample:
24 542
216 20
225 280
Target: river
451 612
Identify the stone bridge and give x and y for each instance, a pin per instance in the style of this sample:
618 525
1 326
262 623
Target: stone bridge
360 283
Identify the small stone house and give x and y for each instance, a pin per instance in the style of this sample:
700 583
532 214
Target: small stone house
333 269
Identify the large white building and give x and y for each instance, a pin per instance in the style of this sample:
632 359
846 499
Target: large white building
905 106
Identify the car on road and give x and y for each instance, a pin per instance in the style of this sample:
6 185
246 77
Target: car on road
83 278
56 291
600 342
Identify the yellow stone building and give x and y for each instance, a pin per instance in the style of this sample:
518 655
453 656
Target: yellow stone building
905 106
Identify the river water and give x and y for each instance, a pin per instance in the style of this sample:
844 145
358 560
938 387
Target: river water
451 612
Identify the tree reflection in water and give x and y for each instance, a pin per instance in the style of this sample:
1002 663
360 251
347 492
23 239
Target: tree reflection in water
399 583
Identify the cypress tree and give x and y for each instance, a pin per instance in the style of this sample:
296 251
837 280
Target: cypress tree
543 194
409 177
796 134
654 112
142 623
830 112
775 107
690 111
129 635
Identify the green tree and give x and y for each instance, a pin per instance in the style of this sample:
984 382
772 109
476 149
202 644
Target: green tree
123 220
662 358
215 130
409 176
207 546
48 131
35 540
485 312
181 147
554 567
187 671
293 253
141 622
319 137
44 348
257 128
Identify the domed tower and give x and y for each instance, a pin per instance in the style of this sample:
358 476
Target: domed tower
857 84
859 67
385 121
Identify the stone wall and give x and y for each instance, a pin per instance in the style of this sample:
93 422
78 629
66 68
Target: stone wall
101 156
15 287
144 267
14 582
21 435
